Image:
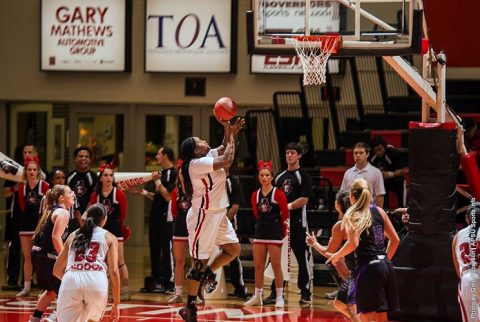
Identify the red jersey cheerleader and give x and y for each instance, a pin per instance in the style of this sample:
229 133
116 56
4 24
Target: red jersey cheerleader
27 209
116 204
270 208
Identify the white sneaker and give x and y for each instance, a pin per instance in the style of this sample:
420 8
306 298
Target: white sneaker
255 300
51 318
23 293
175 299
280 302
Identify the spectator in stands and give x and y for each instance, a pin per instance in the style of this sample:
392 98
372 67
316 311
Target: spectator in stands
389 161
471 135
363 169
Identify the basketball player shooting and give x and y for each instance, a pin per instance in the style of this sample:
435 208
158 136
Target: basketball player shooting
205 180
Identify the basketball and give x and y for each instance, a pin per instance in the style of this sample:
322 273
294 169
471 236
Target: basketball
225 108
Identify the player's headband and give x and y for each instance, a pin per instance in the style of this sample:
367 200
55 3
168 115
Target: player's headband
265 165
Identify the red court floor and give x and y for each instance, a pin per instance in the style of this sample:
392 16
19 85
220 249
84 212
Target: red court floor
13 310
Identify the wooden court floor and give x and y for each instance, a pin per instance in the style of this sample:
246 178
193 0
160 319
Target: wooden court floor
153 307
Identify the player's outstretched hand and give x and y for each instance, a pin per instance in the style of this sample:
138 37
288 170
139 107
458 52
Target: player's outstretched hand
310 239
238 125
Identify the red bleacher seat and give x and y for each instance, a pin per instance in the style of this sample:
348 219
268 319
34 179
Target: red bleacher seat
392 137
335 175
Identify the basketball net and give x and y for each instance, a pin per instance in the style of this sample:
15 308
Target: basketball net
314 52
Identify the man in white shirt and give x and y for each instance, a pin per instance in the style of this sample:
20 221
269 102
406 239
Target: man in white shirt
205 178
363 169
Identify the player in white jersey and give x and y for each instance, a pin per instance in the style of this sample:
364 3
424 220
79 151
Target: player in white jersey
466 259
82 267
205 180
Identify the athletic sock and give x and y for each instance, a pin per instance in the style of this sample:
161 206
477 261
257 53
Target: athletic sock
26 285
37 314
178 290
124 289
279 293
258 291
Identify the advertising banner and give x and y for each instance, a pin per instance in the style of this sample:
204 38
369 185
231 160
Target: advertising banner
188 36
87 35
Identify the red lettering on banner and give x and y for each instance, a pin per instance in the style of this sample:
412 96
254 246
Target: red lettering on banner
64 14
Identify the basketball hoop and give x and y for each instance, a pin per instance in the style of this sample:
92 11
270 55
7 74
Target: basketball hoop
314 52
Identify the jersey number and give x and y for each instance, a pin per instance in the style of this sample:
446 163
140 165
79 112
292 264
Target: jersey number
90 254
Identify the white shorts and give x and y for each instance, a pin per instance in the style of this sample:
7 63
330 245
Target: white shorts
469 296
207 228
83 296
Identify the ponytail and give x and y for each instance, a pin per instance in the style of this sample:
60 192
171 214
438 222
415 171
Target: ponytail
187 153
83 236
48 206
358 217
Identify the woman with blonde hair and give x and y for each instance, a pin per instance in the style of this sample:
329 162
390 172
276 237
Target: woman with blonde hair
27 208
50 234
367 226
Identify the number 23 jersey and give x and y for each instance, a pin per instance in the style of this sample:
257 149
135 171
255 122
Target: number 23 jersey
95 256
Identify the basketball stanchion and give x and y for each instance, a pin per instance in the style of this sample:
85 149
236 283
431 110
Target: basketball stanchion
314 52
220 291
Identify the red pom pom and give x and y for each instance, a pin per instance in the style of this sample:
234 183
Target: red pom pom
126 232
225 108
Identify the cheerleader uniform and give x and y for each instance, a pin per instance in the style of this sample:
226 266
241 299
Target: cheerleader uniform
271 213
44 254
27 206
375 284
83 293
179 206
116 205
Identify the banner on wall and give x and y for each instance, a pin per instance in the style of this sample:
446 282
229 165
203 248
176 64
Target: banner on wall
285 64
189 36
290 15
87 35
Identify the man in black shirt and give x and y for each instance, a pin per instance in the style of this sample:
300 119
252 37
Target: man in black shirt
296 183
235 198
161 227
82 181
390 162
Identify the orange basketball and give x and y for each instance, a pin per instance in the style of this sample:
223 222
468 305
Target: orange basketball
225 108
